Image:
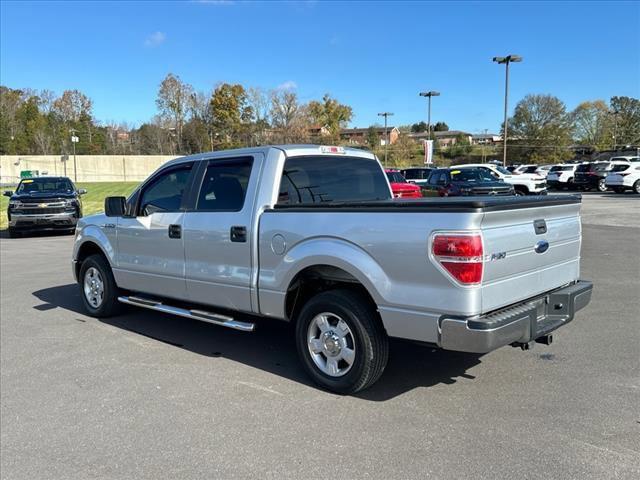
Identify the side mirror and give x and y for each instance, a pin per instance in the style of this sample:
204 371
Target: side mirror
114 206
7 193
82 191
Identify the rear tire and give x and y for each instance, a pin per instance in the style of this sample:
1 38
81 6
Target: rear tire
98 288
636 186
341 342
13 233
602 185
618 189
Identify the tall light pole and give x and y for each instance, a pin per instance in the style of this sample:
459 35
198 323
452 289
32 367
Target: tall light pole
615 129
74 140
386 134
429 95
506 61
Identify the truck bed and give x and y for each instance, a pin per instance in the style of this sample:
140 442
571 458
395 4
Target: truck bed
454 204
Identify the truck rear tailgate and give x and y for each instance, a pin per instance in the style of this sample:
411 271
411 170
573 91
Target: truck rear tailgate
528 252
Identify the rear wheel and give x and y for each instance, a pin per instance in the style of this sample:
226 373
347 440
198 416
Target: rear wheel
636 186
570 185
98 287
341 341
13 233
602 185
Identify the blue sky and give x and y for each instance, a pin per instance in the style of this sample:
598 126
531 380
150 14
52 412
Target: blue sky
374 56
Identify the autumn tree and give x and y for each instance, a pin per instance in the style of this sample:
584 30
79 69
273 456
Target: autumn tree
540 129
173 102
230 114
626 118
331 114
592 124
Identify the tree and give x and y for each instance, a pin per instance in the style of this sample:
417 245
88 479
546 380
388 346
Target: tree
72 105
230 113
540 129
626 120
419 127
440 127
373 140
330 113
593 124
173 101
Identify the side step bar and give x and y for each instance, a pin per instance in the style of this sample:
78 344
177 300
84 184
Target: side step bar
209 317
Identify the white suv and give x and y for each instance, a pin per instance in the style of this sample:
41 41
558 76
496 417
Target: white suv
562 176
523 184
624 177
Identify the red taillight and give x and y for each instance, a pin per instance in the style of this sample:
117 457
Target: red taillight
460 255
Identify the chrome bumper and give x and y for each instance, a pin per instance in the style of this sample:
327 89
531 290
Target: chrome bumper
519 323
29 220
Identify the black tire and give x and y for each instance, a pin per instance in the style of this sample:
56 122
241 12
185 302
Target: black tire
13 233
519 193
570 185
618 189
371 344
636 186
602 185
109 305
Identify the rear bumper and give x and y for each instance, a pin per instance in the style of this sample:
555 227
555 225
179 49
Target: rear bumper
520 323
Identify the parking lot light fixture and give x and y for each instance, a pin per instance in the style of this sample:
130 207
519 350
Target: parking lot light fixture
506 61
429 95
386 134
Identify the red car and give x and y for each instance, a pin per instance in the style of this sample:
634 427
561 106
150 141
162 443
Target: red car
400 187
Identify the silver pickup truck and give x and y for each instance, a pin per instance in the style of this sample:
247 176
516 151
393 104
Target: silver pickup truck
311 235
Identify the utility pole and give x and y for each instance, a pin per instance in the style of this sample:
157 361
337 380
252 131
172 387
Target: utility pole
74 140
386 134
429 95
506 61
484 146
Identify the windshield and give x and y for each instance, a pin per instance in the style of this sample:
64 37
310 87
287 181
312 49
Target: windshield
45 185
562 168
625 159
396 177
502 170
471 175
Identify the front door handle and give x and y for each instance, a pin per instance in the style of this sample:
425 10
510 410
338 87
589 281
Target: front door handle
175 231
238 234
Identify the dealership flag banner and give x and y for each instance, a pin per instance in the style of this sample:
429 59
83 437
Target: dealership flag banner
428 152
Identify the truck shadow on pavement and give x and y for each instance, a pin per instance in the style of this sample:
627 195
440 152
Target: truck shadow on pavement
271 347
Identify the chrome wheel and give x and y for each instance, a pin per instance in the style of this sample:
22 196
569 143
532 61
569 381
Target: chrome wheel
93 287
602 186
331 344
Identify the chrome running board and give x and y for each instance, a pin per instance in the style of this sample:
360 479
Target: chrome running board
209 317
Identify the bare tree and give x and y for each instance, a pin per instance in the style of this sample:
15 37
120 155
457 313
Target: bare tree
73 105
173 101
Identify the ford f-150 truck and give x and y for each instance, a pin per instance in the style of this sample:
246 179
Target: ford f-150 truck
311 235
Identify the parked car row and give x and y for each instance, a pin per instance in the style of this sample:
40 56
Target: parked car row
618 174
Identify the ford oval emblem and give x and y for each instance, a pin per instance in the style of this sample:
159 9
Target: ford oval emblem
542 246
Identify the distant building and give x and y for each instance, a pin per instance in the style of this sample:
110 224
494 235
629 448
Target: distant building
486 139
318 131
445 139
360 136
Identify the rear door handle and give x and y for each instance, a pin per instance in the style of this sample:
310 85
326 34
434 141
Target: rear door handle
238 234
175 231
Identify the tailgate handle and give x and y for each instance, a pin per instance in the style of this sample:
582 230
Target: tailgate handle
540 226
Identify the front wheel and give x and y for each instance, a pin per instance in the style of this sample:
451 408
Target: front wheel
98 288
341 341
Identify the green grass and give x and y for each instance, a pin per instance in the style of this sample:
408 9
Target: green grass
92 202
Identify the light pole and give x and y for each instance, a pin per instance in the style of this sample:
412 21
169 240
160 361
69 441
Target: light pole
386 134
506 61
615 129
74 140
429 95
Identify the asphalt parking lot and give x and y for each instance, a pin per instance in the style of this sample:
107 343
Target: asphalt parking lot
150 396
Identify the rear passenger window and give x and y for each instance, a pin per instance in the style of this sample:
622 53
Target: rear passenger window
326 179
224 186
